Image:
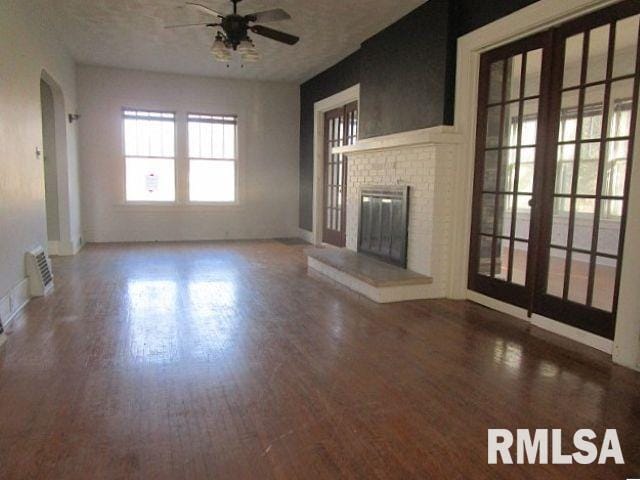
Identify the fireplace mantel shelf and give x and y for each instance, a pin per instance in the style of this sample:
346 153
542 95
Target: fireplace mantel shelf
435 136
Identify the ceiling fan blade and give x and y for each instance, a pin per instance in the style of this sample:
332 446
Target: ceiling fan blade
275 15
191 25
276 35
204 9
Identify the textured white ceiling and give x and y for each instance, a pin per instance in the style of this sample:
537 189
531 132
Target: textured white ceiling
130 34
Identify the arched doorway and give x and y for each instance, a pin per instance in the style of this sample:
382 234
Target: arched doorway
49 159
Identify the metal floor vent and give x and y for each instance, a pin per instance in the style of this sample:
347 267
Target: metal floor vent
39 272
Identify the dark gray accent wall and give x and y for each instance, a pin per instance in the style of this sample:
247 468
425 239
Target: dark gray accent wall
341 76
403 73
406 74
473 14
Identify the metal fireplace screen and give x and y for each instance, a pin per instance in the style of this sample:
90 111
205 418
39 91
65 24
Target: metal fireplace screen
384 212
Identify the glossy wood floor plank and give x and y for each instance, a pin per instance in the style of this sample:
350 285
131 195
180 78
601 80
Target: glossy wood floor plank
228 361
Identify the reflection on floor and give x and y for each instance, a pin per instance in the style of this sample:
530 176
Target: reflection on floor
229 361
603 284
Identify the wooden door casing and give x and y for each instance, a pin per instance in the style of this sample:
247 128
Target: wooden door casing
587 114
340 129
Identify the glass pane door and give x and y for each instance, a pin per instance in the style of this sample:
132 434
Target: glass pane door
507 157
341 128
592 127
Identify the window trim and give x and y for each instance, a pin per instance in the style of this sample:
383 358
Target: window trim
151 203
235 160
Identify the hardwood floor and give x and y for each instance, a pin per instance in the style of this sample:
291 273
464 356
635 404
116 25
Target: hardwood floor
228 361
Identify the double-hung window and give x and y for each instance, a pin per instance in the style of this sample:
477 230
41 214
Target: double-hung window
212 158
615 161
149 144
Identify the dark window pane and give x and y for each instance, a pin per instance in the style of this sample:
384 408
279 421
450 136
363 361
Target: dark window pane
572 60
496 73
555 276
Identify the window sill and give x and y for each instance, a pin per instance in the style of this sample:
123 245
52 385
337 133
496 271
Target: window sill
177 207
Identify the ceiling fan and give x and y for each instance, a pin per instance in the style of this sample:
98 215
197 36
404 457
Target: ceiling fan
234 35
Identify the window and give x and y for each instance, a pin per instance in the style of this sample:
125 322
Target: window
527 158
616 156
212 157
149 145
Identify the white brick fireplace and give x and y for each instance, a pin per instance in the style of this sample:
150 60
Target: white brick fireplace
424 160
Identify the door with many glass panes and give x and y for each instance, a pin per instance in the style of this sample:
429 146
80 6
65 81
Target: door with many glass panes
552 177
508 155
341 128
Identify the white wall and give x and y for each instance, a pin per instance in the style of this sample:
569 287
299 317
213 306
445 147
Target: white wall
268 116
27 46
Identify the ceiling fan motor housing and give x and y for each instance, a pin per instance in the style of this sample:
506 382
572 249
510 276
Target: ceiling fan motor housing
235 28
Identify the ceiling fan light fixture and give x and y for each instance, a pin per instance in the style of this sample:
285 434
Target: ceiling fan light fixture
245 46
222 57
251 57
248 51
233 28
220 50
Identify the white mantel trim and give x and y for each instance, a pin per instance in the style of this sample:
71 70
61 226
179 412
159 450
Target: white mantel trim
440 135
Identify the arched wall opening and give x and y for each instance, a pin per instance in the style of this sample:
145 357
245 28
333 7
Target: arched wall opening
55 165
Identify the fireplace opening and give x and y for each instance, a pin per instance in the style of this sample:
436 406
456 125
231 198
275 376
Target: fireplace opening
383 217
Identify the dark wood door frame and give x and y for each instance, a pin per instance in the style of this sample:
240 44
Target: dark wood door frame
520 295
576 314
347 115
533 295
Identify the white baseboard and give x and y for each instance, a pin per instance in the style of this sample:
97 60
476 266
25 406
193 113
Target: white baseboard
305 235
53 247
14 301
64 248
78 244
586 338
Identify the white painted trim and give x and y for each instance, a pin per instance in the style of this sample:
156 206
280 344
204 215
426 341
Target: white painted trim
14 301
305 235
319 108
626 345
67 249
77 245
53 247
61 128
338 100
438 135
537 17
548 324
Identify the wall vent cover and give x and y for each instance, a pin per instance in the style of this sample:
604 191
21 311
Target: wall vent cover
39 272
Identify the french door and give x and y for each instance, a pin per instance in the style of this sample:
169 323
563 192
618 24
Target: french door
556 123
340 129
